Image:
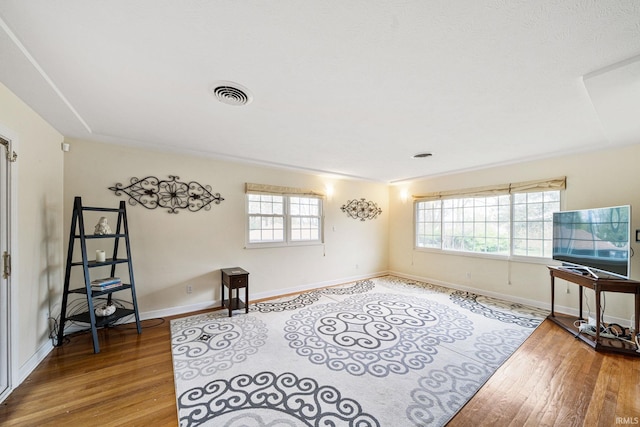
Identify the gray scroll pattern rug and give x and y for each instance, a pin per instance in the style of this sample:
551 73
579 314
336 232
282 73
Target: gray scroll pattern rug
381 352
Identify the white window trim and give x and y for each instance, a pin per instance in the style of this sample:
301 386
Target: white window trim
287 242
513 258
509 257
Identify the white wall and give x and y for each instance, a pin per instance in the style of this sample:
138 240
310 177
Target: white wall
38 255
594 179
172 251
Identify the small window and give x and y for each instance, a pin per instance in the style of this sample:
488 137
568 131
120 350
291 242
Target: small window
282 219
266 218
305 219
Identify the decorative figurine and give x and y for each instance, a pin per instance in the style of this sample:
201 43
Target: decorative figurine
102 227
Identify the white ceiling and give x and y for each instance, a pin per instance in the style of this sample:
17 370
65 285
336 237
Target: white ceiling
348 87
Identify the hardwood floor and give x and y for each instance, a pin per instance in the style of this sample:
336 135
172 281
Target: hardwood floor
129 383
555 380
551 380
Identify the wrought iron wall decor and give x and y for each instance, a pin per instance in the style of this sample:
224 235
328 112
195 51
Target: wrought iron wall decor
170 194
361 209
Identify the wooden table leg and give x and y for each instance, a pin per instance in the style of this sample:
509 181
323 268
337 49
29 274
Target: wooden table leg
222 291
637 313
580 293
553 294
597 314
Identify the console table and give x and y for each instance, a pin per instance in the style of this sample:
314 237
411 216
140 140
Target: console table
599 285
235 278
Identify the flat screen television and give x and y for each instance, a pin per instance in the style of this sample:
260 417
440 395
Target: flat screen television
594 241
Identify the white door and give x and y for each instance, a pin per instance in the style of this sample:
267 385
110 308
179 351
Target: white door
6 157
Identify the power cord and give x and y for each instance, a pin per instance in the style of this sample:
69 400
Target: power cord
611 331
78 306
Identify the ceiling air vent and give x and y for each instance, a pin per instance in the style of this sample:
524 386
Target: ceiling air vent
231 93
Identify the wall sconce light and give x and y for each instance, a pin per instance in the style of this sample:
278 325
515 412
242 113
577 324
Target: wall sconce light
404 196
329 190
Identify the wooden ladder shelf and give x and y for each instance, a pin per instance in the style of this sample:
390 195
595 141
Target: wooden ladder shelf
78 235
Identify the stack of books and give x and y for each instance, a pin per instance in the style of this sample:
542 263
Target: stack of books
104 284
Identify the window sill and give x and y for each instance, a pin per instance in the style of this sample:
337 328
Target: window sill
513 258
281 245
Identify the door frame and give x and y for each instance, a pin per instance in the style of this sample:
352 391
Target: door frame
10 216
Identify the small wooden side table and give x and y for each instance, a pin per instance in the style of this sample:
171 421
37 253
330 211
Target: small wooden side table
235 278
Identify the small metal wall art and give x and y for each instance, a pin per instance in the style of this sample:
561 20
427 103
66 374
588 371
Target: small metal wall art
170 194
361 209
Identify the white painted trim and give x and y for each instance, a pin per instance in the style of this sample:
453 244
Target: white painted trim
205 305
34 361
174 311
42 73
506 297
15 274
524 301
319 285
13 374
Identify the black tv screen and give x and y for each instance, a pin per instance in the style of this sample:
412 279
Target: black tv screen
597 239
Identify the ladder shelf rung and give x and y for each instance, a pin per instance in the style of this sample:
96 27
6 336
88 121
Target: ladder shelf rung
100 236
108 261
102 321
95 293
93 209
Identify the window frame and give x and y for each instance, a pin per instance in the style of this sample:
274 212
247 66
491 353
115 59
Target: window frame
529 221
287 216
494 255
273 216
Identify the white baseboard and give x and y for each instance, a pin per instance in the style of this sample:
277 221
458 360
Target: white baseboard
186 309
32 363
182 309
211 304
312 286
506 297
524 301
205 305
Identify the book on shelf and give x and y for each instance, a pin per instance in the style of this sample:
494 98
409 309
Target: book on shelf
104 284
106 287
106 281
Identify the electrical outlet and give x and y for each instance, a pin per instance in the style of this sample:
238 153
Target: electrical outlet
189 289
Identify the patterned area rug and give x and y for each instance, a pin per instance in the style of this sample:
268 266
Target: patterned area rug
382 352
